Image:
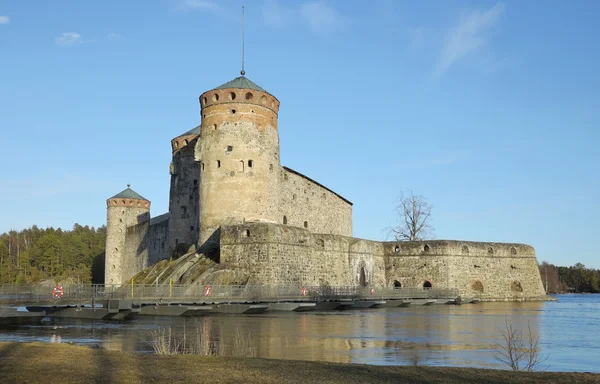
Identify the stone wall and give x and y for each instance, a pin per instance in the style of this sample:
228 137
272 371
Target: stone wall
238 152
492 271
184 194
158 239
136 250
121 214
276 254
307 204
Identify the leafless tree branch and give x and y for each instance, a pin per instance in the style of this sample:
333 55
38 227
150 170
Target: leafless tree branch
414 214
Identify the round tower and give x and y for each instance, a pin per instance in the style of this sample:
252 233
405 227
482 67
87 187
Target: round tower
238 154
124 209
184 195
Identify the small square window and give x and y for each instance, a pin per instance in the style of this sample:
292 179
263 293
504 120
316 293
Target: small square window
229 148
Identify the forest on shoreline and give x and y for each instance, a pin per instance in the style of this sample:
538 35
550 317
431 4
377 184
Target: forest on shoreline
77 256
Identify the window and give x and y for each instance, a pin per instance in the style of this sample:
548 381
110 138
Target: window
284 219
231 95
233 111
218 163
397 249
241 166
427 284
513 251
176 144
477 286
185 142
250 162
270 167
204 100
426 248
191 228
247 233
215 97
397 284
306 224
229 148
490 251
249 96
195 182
465 249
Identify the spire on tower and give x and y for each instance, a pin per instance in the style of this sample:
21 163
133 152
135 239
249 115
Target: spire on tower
242 72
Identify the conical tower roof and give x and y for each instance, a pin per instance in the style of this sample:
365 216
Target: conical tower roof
191 132
241 82
129 194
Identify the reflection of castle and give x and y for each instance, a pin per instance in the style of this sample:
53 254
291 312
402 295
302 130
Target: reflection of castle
230 193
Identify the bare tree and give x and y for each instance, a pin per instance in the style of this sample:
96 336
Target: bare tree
415 216
519 352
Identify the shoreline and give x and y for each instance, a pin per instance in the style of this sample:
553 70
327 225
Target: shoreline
66 363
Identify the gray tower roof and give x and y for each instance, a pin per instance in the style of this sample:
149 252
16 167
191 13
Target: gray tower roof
129 194
193 131
241 82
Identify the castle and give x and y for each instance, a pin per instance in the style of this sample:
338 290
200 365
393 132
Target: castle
232 199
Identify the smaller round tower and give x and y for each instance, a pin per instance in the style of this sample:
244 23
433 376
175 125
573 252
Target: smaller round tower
184 195
124 209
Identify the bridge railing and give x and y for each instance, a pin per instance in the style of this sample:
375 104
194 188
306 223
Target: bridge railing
90 294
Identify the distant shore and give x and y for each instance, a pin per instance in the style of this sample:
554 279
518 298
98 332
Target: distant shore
70 364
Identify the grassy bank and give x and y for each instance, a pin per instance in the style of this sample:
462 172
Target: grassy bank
66 364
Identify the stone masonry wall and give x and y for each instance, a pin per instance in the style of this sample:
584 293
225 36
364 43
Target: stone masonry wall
238 152
306 204
184 194
491 271
121 214
136 250
158 237
276 254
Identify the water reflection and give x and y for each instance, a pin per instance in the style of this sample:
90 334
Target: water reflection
439 335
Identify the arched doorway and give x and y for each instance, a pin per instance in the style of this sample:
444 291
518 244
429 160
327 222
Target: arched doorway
397 284
363 277
427 284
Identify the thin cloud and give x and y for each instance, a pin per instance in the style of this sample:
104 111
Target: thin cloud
68 38
322 18
115 36
197 4
4 20
317 16
276 15
468 36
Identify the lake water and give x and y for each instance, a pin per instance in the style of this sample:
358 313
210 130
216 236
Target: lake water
462 336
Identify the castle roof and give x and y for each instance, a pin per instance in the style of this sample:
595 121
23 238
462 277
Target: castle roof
193 131
241 82
129 194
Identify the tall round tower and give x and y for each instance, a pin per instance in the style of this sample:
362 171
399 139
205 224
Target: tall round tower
184 195
238 154
124 209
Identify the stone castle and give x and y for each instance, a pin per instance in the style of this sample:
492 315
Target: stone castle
232 200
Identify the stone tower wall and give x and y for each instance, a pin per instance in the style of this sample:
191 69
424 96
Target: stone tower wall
306 204
184 194
121 214
238 152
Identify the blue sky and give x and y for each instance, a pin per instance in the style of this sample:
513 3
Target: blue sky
489 109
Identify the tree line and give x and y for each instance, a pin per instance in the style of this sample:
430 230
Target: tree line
33 255
577 279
